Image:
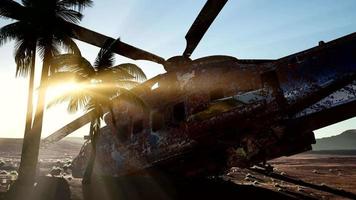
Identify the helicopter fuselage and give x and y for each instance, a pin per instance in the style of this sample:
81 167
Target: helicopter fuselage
217 112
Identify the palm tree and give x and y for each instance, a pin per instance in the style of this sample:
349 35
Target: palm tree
97 85
25 53
25 57
40 25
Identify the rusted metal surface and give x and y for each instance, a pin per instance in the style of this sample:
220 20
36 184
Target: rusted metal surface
220 112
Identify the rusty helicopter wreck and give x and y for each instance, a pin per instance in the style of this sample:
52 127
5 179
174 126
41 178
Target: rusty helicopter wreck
217 112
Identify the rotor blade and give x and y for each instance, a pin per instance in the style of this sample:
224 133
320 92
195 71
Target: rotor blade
67 129
97 39
202 23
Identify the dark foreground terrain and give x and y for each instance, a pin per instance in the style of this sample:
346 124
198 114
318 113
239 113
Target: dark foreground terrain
336 169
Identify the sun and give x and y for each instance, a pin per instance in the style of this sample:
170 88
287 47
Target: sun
61 89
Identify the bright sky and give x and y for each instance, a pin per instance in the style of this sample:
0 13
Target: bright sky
244 29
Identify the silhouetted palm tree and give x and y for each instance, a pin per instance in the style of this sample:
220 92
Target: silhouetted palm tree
97 85
41 24
25 55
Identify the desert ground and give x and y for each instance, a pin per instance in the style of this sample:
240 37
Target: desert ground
336 169
330 168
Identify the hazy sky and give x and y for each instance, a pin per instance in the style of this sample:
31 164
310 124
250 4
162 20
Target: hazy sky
244 29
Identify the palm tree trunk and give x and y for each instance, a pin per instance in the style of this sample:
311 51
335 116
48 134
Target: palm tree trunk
94 132
30 93
89 168
31 143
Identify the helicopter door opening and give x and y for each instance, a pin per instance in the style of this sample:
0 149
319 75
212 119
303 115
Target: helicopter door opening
179 113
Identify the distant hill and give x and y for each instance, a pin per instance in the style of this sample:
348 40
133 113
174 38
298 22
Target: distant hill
67 146
344 141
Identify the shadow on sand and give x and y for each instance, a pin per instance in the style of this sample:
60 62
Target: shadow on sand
143 188
138 188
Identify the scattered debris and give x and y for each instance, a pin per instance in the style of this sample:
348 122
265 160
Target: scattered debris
67 167
56 171
3 172
300 189
248 175
14 173
2 163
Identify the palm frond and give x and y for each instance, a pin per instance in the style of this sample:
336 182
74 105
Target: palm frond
105 57
69 15
76 100
103 93
70 46
79 4
60 99
90 106
26 3
132 69
94 107
47 44
10 32
96 128
66 59
72 63
11 9
59 78
110 76
24 52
